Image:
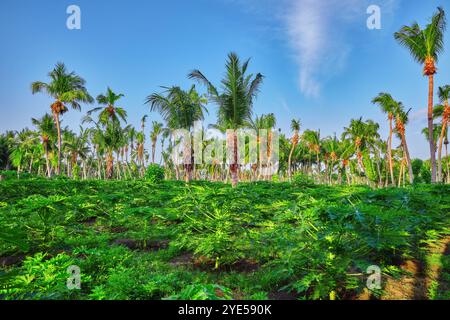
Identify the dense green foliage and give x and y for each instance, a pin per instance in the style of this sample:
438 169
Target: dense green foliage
140 240
154 173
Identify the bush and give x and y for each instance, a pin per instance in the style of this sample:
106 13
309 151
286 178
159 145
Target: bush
154 173
302 179
12 175
425 174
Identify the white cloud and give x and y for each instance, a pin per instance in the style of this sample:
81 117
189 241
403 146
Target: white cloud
318 34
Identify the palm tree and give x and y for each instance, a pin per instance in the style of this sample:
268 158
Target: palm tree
157 129
443 111
363 136
112 139
180 109
65 88
425 46
388 105
76 146
235 102
47 131
295 127
110 112
401 120
312 140
22 149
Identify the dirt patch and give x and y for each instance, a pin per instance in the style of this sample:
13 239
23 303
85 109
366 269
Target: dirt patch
149 245
118 229
283 295
90 221
242 266
420 276
185 259
11 260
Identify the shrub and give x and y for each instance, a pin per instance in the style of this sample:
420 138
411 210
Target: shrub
302 179
154 173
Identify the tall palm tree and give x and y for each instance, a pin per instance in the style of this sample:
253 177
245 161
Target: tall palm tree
235 102
295 127
443 111
312 141
110 112
401 120
425 45
66 88
112 140
387 104
47 131
180 109
363 135
157 129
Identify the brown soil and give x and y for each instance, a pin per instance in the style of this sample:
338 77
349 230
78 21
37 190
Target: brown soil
205 264
11 260
149 245
415 284
90 221
185 259
119 229
283 295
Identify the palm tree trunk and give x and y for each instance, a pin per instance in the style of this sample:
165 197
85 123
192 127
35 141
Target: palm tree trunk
430 128
58 128
441 141
289 161
391 166
400 174
153 150
47 161
109 165
234 164
408 159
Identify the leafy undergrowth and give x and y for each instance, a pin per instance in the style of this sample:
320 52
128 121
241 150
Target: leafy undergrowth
138 240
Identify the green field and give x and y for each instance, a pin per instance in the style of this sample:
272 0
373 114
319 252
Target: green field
137 240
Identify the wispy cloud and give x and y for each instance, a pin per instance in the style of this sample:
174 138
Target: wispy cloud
318 34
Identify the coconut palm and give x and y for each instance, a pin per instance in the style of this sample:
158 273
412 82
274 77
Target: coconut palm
387 104
157 129
363 135
22 149
401 120
66 88
444 112
235 101
295 127
48 133
110 112
425 45
112 140
312 141
180 109
77 147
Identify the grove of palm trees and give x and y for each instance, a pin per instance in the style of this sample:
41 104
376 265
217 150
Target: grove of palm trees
115 200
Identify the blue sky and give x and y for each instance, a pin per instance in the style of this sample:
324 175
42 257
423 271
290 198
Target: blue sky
321 63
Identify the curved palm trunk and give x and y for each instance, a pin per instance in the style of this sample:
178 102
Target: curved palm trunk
47 161
430 127
408 159
58 128
441 141
391 165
